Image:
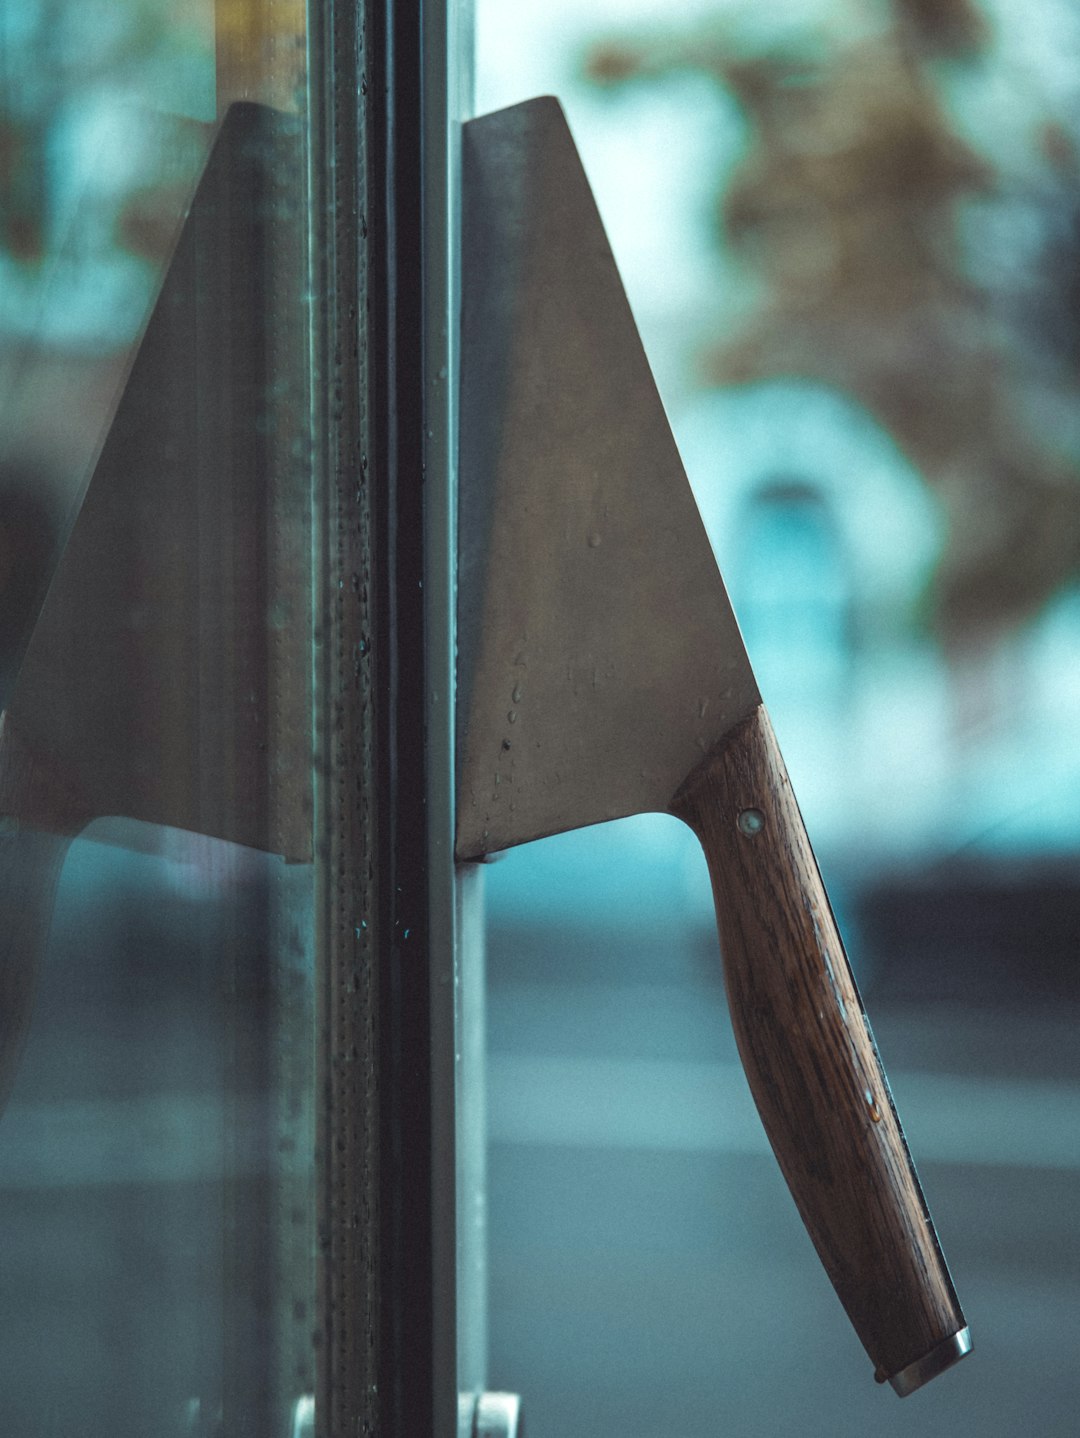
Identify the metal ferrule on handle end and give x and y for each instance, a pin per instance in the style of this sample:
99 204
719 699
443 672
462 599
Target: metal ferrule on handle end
943 1356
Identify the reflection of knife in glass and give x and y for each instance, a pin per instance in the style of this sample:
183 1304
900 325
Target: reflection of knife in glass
601 673
167 678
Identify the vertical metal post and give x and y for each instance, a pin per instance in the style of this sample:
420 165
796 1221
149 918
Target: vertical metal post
350 778
383 179
455 894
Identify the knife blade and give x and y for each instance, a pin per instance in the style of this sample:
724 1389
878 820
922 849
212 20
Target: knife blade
167 677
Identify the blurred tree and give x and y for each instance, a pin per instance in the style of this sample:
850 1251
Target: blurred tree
261 51
22 208
847 203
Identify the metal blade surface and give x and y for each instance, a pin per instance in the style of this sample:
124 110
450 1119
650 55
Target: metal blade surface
599 658
168 676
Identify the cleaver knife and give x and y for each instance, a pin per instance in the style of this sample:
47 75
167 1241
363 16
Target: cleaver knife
602 674
161 680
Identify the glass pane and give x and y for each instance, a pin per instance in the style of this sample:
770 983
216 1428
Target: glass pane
849 235
156 886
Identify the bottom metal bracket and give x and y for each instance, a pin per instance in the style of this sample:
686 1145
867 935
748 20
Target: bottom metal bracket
303 1418
490 1415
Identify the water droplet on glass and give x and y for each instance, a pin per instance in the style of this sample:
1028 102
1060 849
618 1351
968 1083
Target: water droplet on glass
875 1112
512 716
516 696
594 540
506 743
703 705
751 822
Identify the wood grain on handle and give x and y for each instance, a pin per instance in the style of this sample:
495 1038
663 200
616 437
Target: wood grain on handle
811 1060
39 816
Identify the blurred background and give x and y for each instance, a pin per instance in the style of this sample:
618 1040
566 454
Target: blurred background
850 232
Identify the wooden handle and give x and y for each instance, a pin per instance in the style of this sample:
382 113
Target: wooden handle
812 1064
39 816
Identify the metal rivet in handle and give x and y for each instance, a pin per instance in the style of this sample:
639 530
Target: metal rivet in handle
751 822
